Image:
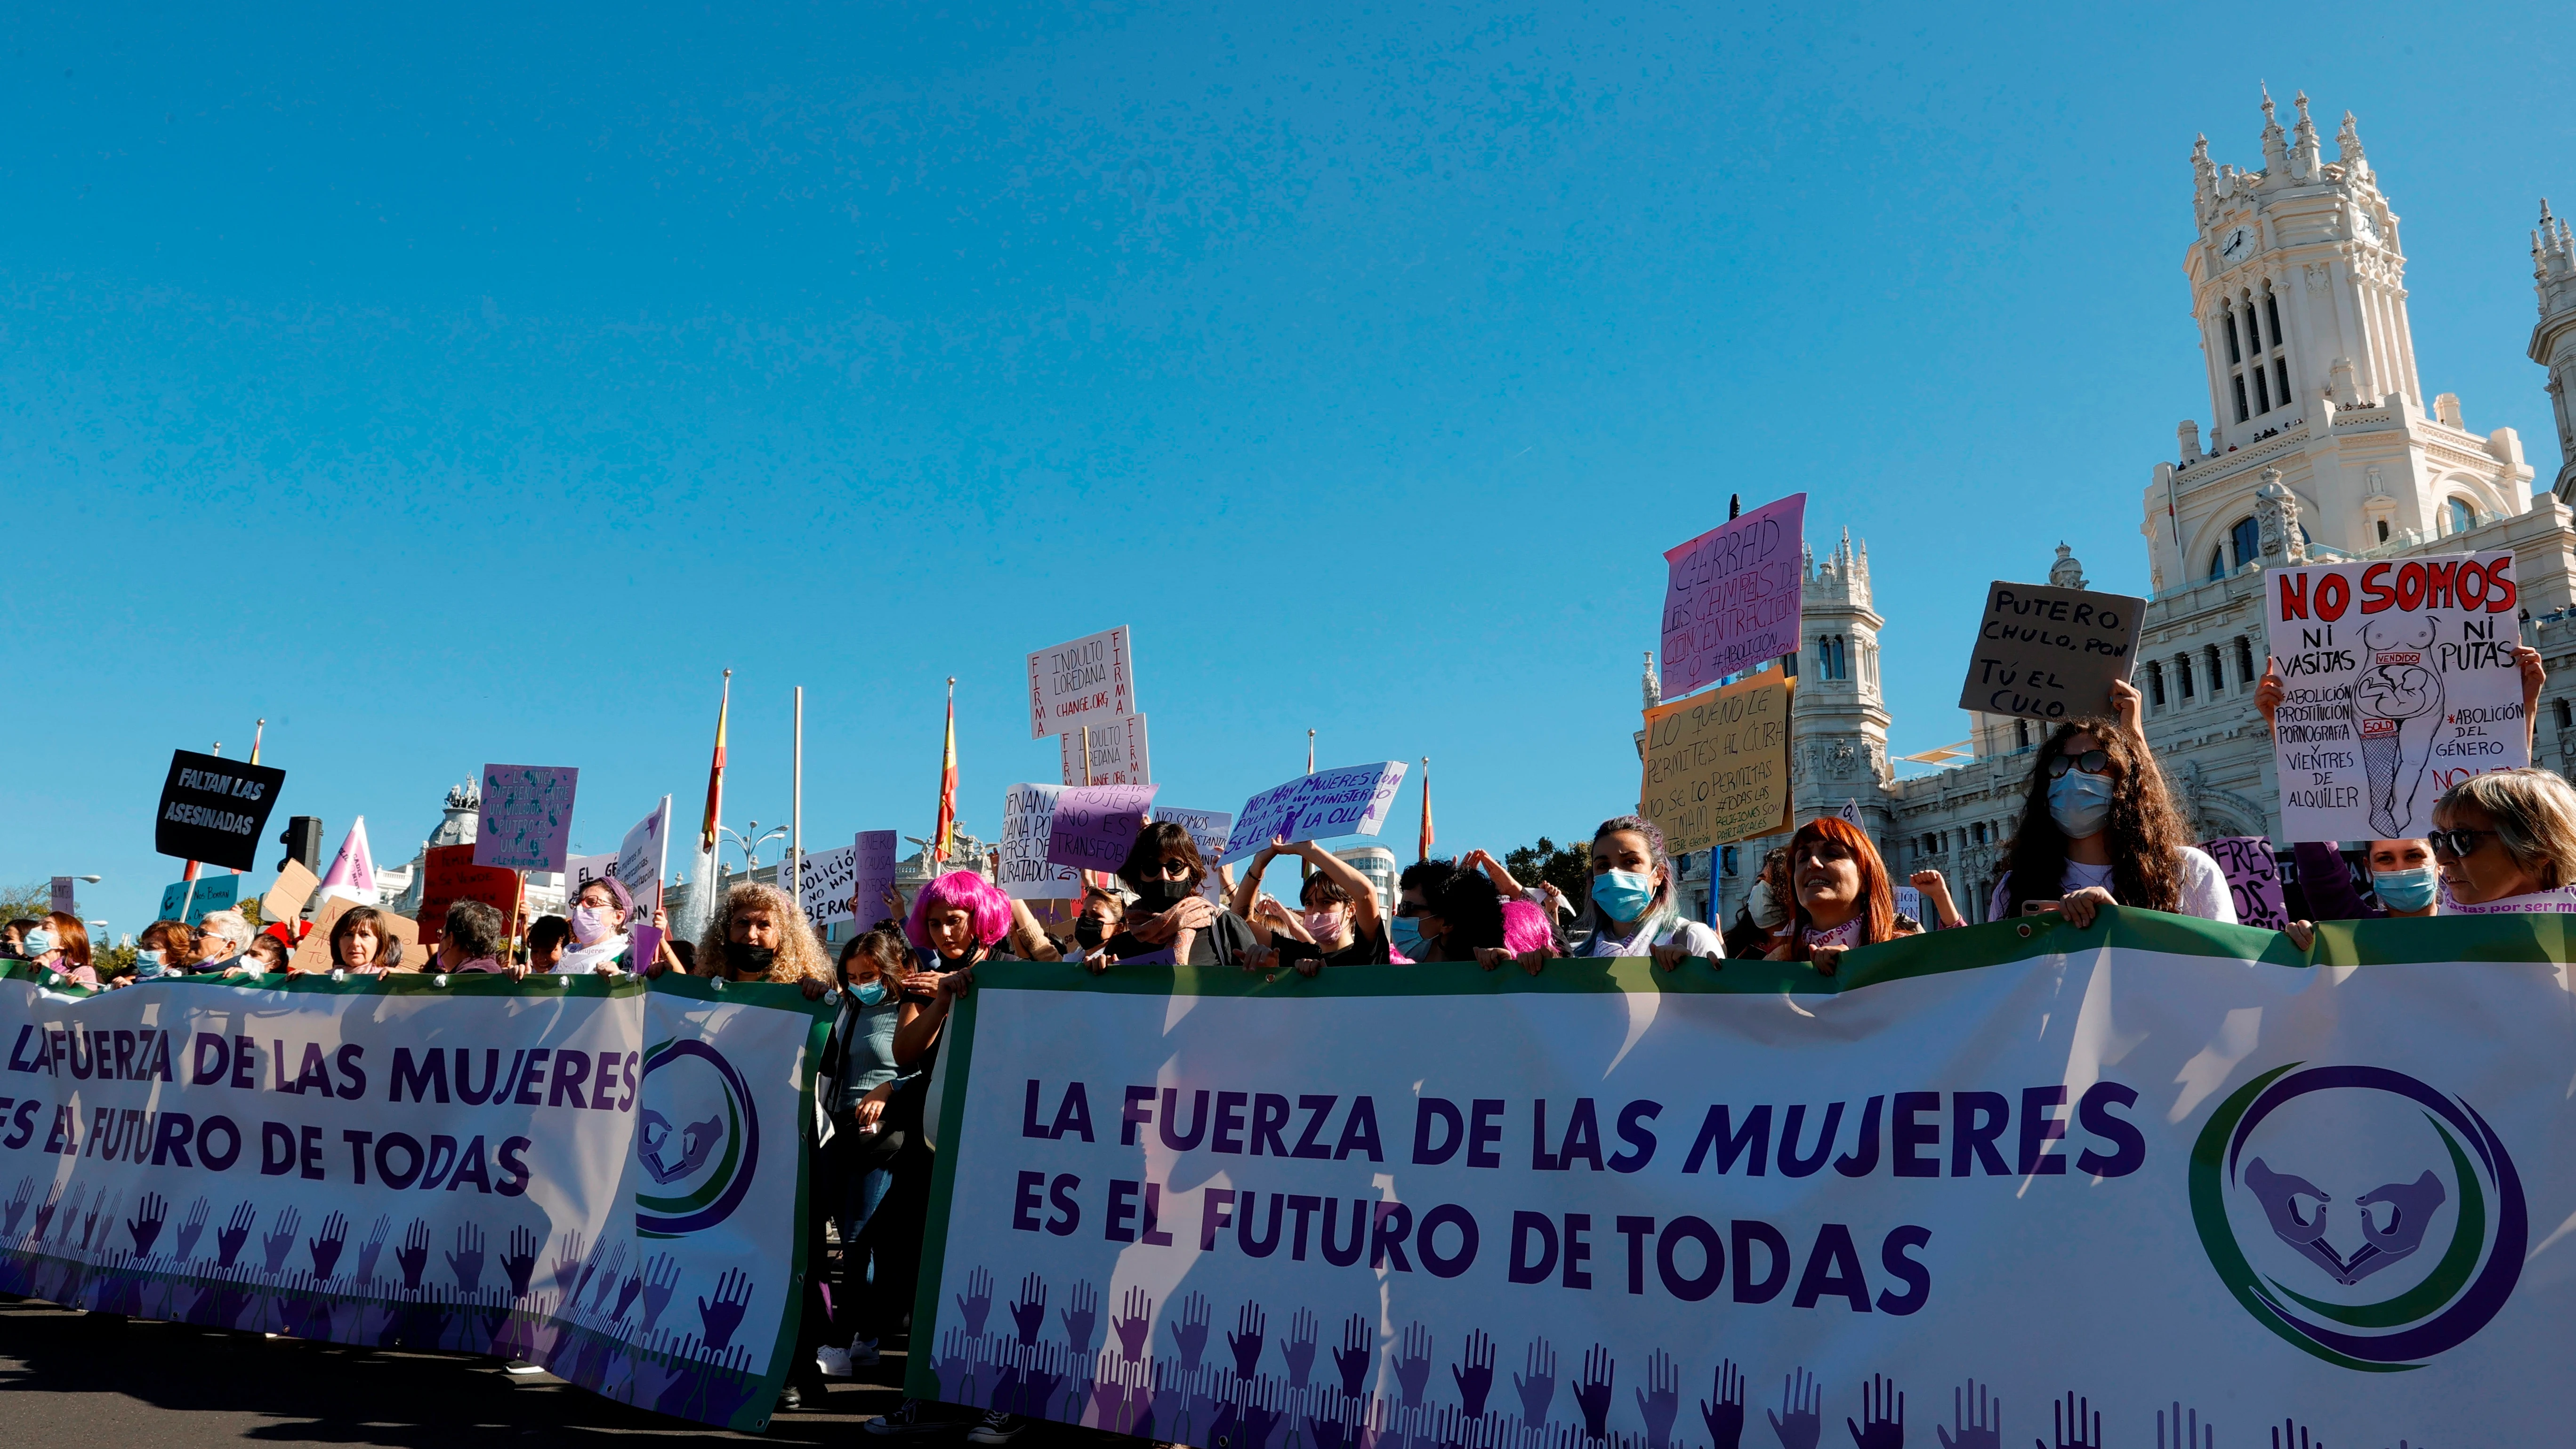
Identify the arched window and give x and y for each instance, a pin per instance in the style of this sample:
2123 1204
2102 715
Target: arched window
2383 530
2217 676
2245 541
2156 685
2021 734
2182 673
2244 660
2460 515
2566 716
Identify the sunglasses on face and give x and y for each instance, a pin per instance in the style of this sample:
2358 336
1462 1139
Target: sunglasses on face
2455 843
1175 869
1411 910
2091 762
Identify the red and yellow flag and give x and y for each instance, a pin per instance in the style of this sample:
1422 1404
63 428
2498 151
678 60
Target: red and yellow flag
715 773
1424 851
939 838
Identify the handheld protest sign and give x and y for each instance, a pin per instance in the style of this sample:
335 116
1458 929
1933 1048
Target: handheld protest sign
527 816
2051 654
200 897
2398 683
285 900
1094 826
1028 820
213 809
825 878
643 858
1326 805
873 873
581 870
449 875
2253 878
1087 682
1118 754
1717 764
1731 595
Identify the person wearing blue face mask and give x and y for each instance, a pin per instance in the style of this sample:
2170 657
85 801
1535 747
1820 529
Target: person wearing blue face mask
858 1162
2404 881
2098 828
1630 908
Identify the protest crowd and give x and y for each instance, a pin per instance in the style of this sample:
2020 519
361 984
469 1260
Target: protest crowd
2097 827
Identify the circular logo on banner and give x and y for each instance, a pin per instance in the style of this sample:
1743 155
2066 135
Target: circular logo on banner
2359 1213
699 1142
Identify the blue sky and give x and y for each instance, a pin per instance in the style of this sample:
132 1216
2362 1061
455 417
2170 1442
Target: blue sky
478 388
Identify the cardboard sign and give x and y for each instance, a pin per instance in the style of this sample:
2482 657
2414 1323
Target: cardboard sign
1087 682
2253 877
285 900
214 893
581 870
66 899
1210 831
2050 653
1351 800
873 876
644 859
213 809
2399 682
1717 765
1028 816
1731 595
448 875
313 953
527 816
825 877
1909 902
1118 754
1094 826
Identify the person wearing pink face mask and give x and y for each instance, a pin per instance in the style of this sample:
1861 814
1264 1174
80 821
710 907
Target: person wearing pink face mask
598 919
1339 923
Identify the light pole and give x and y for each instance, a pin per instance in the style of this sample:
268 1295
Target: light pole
750 844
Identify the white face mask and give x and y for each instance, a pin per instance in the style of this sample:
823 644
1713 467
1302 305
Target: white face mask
592 924
1766 912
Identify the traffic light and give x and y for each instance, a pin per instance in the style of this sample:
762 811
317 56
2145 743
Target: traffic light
303 841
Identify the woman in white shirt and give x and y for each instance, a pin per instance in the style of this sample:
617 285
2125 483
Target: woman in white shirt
2098 828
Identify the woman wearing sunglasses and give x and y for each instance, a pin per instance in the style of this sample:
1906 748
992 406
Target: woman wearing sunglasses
1170 920
2506 835
2097 828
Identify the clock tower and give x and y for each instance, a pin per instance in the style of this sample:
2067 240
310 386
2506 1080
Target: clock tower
2298 290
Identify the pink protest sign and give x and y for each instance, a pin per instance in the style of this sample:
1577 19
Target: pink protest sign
527 816
1094 825
874 876
2253 877
1731 596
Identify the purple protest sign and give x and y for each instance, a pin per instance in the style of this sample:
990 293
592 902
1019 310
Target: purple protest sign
527 816
875 874
1731 596
643 944
2253 878
1095 824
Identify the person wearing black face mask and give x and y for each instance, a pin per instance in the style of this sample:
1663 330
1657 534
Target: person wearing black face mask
1170 919
1102 914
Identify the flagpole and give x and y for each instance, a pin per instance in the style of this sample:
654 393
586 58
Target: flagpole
1422 851
1305 867
796 813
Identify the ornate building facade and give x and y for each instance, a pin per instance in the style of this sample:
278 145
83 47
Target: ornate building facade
2321 447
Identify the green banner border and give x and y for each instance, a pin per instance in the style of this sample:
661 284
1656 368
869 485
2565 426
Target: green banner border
2441 940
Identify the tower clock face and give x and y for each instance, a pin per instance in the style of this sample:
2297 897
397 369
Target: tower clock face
2364 228
2232 246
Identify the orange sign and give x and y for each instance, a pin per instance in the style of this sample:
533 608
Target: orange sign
449 875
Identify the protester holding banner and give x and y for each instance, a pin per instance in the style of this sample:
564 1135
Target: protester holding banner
1415 935
1340 924
598 923
871 1134
2404 882
1840 897
548 939
60 944
265 954
2506 841
759 935
1631 910
222 937
163 948
2097 827
1099 918
1170 919
363 945
472 941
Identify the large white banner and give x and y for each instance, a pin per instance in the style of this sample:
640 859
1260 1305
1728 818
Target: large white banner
601 1176
1983 1178
2398 683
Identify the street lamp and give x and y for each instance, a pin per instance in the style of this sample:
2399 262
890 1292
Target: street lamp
750 844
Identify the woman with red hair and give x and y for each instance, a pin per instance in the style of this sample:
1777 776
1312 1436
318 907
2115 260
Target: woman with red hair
1840 897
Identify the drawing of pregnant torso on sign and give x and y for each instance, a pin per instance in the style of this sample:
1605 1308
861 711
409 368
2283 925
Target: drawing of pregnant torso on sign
2398 702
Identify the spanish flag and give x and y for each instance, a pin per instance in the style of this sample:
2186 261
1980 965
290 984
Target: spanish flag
715 774
939 838
1423 852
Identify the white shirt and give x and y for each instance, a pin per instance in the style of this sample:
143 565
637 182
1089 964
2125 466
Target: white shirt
2204 887
1695 938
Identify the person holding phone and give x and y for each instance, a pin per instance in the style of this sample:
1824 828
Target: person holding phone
2098 827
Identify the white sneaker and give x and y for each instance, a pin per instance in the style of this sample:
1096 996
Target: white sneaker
835 1362
521 1368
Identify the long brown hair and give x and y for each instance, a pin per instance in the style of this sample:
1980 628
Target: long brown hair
2145 832
1877 898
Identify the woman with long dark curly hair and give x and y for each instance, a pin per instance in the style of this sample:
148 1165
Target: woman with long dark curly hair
2098 828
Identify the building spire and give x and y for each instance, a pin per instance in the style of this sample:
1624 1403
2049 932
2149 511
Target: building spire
2306 158
2356 167
2276 147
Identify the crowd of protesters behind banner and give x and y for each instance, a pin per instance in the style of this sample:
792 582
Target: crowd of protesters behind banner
2097 827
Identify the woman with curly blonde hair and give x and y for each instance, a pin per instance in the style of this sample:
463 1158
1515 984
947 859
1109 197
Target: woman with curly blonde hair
757 934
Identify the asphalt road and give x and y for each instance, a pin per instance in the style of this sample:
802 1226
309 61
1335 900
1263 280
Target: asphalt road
71 1380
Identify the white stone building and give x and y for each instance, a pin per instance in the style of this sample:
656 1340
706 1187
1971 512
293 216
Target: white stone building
2320 447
